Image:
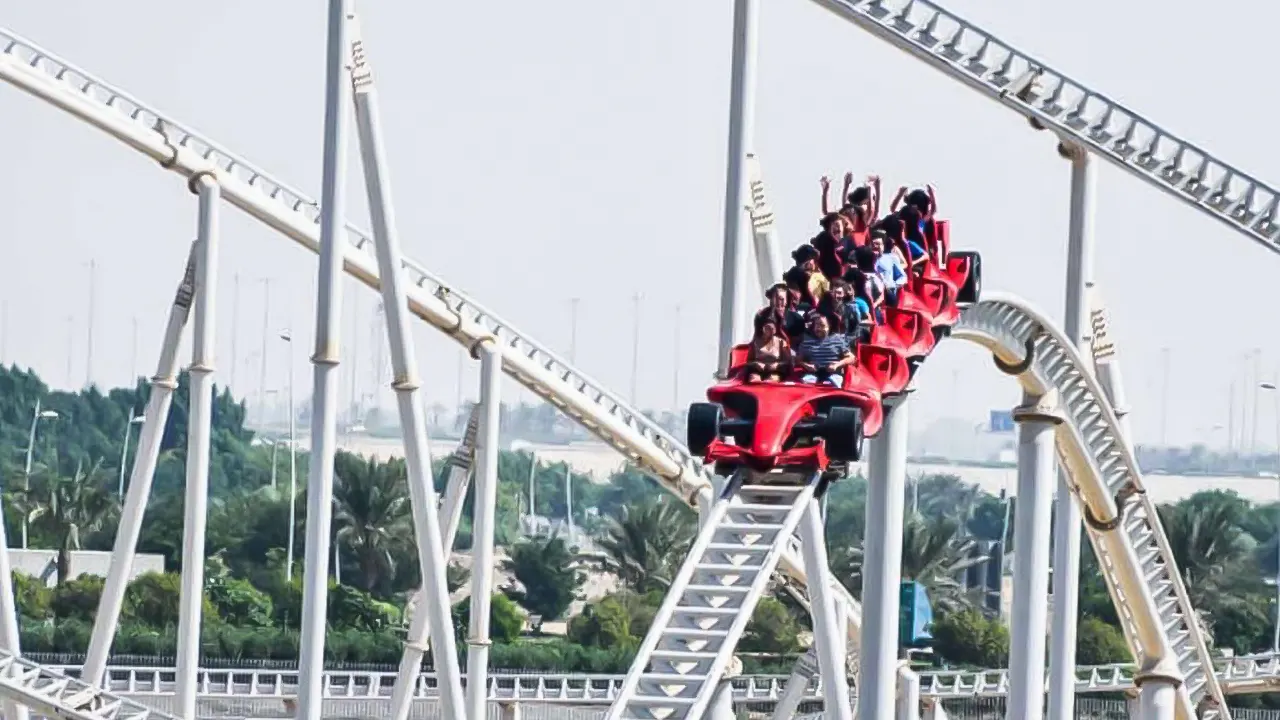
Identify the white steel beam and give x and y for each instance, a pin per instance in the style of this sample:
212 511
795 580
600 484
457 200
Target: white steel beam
742 91
1036 418
125 547
484 512
882 573
199 425
1066 532
324 360
422 495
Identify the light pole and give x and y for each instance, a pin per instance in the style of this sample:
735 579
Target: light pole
124 451
287 336
31 447
1275 636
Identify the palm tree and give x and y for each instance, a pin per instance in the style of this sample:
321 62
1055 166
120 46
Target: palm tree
547 575
371 510
646 543
69 509
934 554
1213 551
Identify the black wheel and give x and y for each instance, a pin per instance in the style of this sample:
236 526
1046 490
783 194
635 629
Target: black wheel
843 434
971 292
703 426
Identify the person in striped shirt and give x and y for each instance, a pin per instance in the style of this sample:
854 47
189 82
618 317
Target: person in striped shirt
823 355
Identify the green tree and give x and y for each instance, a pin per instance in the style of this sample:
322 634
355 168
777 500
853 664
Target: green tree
68 509
372 516
33 598
772 629
547 576
645 544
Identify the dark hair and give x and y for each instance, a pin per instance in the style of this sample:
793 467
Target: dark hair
891 226
777 288
803 253
827 220
865 258
910 216
859 194
919 199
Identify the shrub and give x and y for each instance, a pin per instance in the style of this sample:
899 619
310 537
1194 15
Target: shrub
505 620
78 598
1098 643
970 638
33 598
606 623
152 600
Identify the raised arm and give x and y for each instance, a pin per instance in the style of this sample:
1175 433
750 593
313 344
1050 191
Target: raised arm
897 199
826 192
848 185
873 181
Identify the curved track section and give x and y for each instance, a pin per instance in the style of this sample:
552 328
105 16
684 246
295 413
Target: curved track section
1120 519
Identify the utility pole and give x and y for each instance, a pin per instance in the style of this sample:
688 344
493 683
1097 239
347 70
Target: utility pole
266 333
573 330
1256 380
635 346
133 361
675 371
1164 397
71 344
235 329
88 350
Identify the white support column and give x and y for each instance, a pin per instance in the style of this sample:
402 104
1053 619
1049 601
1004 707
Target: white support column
742 92
156 416
1158 698
822 609
721 707
325 360
484 514
422 495
196 500
1036 418
417 640
1132 705
886 500
909 697
793 692
1067 528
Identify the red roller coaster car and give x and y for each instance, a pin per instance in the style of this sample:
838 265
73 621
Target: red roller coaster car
790 424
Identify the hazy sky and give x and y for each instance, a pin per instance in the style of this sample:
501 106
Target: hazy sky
576 148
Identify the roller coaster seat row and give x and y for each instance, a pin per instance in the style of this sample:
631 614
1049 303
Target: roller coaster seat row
793 425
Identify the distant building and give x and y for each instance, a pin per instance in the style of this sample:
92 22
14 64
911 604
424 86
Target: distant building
43 563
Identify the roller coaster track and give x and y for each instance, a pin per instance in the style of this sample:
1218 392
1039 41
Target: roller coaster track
1078 114
1105 475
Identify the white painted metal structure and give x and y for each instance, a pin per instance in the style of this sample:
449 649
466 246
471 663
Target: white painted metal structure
1158 621
691 641
1241 675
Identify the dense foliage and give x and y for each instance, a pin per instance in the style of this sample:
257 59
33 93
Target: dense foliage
1223 545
